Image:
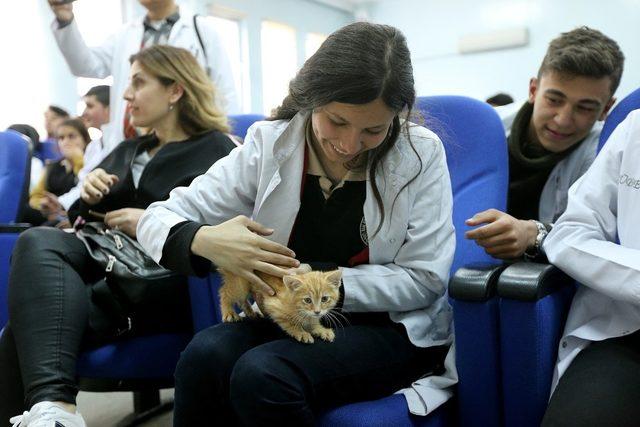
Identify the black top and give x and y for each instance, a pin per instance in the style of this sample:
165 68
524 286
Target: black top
176 164
330 231
59 181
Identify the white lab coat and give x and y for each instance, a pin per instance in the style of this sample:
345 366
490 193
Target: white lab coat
409 258
112 58
603 207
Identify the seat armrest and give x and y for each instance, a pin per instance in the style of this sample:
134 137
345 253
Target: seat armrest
18 227
531 281
475 282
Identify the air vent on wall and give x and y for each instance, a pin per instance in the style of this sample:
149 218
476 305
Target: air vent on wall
494 40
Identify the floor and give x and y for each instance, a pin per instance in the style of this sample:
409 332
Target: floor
106 409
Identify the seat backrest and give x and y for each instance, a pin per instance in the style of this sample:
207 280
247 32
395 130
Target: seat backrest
48 150
241 122
14 166
618 114
475 144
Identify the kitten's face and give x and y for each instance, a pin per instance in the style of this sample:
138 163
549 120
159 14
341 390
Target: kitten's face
315 293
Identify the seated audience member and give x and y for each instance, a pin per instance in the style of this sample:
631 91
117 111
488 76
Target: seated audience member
552 140
341 178
95 115
53 116
51 312
499 99
34 143
597 242
59 176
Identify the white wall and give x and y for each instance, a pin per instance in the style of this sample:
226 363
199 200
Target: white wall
432 28
33 74
304 15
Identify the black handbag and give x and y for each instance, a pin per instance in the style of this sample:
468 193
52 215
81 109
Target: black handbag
130 274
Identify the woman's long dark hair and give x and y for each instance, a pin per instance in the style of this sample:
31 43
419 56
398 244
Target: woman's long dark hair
358 64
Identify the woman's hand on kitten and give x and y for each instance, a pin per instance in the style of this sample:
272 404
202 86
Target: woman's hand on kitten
239 246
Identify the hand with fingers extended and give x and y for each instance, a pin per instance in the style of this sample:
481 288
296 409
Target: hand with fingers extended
502 236
125 219
96 185
239 246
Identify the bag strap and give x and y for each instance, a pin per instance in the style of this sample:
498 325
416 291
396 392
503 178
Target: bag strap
103 297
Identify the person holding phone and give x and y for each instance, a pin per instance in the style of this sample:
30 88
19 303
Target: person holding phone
51 313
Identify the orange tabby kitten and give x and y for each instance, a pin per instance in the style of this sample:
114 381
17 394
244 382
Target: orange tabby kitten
297 307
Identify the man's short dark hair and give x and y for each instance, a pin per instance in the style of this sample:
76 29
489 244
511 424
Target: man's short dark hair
59 111
584 52
101 93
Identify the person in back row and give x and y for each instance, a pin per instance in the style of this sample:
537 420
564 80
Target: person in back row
95 115
59 176
53 116
52 314
341 178
552 140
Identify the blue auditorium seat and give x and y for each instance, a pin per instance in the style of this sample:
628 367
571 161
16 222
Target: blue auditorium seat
48 150
15 166
241 122
534 302
146 364
474 141
619 113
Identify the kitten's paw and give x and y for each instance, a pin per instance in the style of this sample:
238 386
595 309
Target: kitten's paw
325 334
231 317
304 337
251 314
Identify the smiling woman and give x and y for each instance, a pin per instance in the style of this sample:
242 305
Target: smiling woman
302 179
344 132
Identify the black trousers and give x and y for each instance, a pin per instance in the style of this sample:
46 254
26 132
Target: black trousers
251 373
601 387
50 309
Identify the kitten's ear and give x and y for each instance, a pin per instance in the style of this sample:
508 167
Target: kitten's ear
292 282
334 277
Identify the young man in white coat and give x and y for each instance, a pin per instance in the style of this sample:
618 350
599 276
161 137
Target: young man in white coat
164 23
597 242
552 140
